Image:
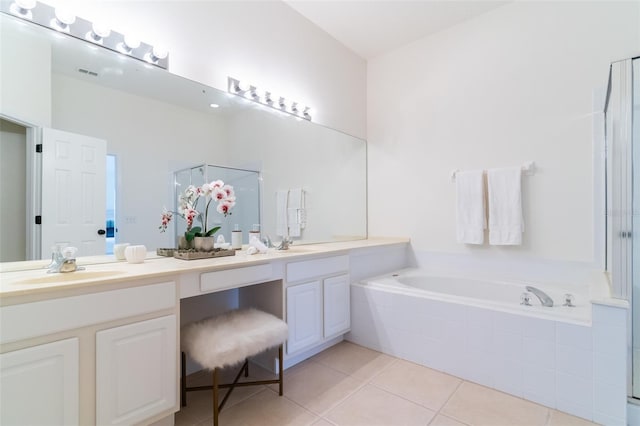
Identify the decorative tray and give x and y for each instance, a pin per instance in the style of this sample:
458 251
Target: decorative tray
192 254
165 252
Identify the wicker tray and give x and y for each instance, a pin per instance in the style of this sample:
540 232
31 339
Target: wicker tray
193 254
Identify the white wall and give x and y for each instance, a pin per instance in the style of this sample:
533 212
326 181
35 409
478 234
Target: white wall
25 64
13 203
513 85
265 42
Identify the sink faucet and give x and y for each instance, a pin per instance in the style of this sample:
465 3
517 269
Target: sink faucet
267 241
284 245
544 297
63 260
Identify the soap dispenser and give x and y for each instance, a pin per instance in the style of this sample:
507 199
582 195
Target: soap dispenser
236 237
255 231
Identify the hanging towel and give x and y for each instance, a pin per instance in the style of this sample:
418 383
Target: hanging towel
505 206
282 227
295 209
470 207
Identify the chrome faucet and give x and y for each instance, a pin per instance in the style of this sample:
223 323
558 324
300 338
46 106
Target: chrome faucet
267 241
284 245
544 297
63 260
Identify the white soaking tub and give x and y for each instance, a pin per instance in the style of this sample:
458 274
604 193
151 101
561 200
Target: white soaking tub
478 330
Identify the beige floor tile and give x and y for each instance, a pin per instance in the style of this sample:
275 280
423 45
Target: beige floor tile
264 409
323 422
317 387
371 406
200 404
416 383
441 420
559 418
355 360
477 405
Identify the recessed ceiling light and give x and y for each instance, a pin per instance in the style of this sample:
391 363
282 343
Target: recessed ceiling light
214 105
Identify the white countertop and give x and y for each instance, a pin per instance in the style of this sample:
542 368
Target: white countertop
27 278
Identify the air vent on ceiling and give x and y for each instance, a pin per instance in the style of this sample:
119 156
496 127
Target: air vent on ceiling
87 72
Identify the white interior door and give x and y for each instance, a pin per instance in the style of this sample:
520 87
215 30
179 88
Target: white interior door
73 192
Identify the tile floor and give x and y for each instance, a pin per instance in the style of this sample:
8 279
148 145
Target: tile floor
351 385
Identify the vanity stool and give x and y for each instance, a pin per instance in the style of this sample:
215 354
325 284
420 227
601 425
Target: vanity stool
229 339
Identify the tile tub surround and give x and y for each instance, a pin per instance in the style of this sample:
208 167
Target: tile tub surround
577 368
370 388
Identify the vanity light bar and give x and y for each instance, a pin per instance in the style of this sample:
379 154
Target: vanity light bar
252 93
97 34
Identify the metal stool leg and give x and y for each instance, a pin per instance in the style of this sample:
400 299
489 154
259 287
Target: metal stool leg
280 369
183 380
215 397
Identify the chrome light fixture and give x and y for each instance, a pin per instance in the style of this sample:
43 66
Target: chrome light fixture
279 103
98 34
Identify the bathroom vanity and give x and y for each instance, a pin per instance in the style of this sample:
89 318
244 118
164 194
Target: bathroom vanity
101 346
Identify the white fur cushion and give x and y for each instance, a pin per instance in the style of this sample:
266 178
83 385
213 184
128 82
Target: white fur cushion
230 338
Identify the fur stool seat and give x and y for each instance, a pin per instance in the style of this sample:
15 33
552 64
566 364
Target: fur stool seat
230 339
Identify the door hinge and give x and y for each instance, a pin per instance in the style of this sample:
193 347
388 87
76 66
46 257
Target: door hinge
39 147
38 220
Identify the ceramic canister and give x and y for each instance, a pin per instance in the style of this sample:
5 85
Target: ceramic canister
135 254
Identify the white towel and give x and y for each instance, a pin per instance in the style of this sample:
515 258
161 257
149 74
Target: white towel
505 206
295 208
470 207
282 227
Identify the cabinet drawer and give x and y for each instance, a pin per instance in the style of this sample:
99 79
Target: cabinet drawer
28 320
233 278
307 269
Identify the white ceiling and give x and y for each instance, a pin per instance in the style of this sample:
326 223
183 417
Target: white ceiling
373 27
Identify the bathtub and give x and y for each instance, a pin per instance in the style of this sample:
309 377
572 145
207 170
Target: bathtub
492 294
477 330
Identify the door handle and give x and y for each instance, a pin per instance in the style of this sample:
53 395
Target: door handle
101 232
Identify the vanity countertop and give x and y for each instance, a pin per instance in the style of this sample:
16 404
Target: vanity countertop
28 278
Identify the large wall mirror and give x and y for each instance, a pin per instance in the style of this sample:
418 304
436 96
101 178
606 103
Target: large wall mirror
154 123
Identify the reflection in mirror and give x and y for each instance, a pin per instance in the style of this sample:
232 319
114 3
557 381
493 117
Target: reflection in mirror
245 213
156 123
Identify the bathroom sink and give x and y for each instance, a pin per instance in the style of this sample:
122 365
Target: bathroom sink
69 277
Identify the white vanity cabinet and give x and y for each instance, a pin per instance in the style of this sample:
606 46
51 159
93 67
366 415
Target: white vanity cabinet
39 384
317 301
135 371
101 357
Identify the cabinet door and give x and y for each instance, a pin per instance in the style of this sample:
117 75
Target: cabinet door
304 315
39 385
337 313
136 371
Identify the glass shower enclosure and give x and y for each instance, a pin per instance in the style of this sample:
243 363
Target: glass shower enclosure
622 130
247 188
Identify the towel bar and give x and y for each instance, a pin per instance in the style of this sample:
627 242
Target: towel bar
528 169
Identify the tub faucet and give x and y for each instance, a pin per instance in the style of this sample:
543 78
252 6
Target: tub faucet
544 297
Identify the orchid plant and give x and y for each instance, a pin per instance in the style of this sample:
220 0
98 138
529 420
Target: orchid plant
216 191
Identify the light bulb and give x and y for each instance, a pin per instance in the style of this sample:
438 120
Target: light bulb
22 8
243 86
130 42
270 98
156 54
98 32
63 19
